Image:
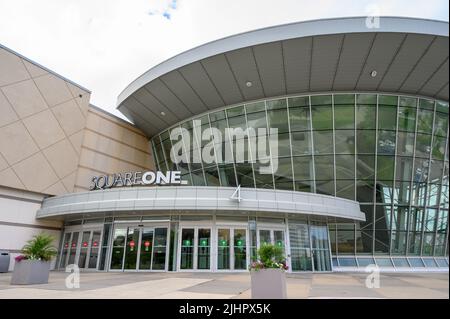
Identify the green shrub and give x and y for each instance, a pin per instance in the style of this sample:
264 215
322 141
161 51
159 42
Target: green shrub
269 256
40 248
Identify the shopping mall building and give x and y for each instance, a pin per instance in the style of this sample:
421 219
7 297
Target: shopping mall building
355 171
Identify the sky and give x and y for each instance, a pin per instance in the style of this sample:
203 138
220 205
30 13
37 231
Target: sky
103 45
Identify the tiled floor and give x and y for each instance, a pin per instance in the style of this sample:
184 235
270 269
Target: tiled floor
231 285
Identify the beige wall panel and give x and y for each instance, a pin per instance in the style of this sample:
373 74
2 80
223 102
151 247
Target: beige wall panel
131 139
93 122
15 143
7 112
44 128
34 70
127 167
116 120
9 178
70 117
83 101
76 140
45 122
54 89
12 68
105 127
62 158
25 98
56 189
83 179
87 159
110 146
3 163
69 181
139 141
35 172
117 131
113 148
118 125
104 163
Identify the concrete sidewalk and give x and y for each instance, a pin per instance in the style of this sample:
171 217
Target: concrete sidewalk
229 285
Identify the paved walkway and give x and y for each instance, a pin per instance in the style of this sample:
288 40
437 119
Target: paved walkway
230 285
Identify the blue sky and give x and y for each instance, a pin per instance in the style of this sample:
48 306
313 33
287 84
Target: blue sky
105 44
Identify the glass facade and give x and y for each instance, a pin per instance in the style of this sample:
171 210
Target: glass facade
388 152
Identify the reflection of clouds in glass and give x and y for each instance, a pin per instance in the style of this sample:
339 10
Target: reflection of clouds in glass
163 8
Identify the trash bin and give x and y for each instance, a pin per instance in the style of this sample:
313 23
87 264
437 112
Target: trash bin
4 261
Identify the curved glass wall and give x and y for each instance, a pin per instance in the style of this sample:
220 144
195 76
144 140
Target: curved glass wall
388 152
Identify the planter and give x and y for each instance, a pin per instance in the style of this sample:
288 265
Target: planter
30 272
268 284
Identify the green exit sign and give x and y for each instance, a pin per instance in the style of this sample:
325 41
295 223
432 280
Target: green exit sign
186 242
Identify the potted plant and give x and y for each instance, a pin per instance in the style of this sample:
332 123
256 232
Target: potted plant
33 266
268 279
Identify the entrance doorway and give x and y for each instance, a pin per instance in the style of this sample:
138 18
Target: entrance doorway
231 248
81 248
271 236
139 248
195 248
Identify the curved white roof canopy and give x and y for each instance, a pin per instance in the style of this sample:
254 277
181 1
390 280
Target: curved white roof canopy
409 55
200 199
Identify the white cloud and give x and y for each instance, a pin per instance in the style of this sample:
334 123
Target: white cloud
105 44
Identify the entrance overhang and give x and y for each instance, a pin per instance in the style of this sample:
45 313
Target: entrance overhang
397 55
199 198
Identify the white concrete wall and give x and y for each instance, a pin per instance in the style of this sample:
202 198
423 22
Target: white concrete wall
18 223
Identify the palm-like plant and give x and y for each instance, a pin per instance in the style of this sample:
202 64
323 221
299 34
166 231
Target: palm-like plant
40 248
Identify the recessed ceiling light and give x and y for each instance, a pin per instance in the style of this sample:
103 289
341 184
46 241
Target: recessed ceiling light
373 73
248 84
163 113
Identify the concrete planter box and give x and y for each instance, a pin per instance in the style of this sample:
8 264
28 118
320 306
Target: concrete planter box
30 272
268 284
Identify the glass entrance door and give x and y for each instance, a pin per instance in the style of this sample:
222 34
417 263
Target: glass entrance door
81 248
159 249
139 248
203 248
89 247
65 250
73 248
187 248
146 249
118 248
271 236
195 248
153 245
320 248
94 248
223 249
84 249
265 237
239 249
231 248
131 249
